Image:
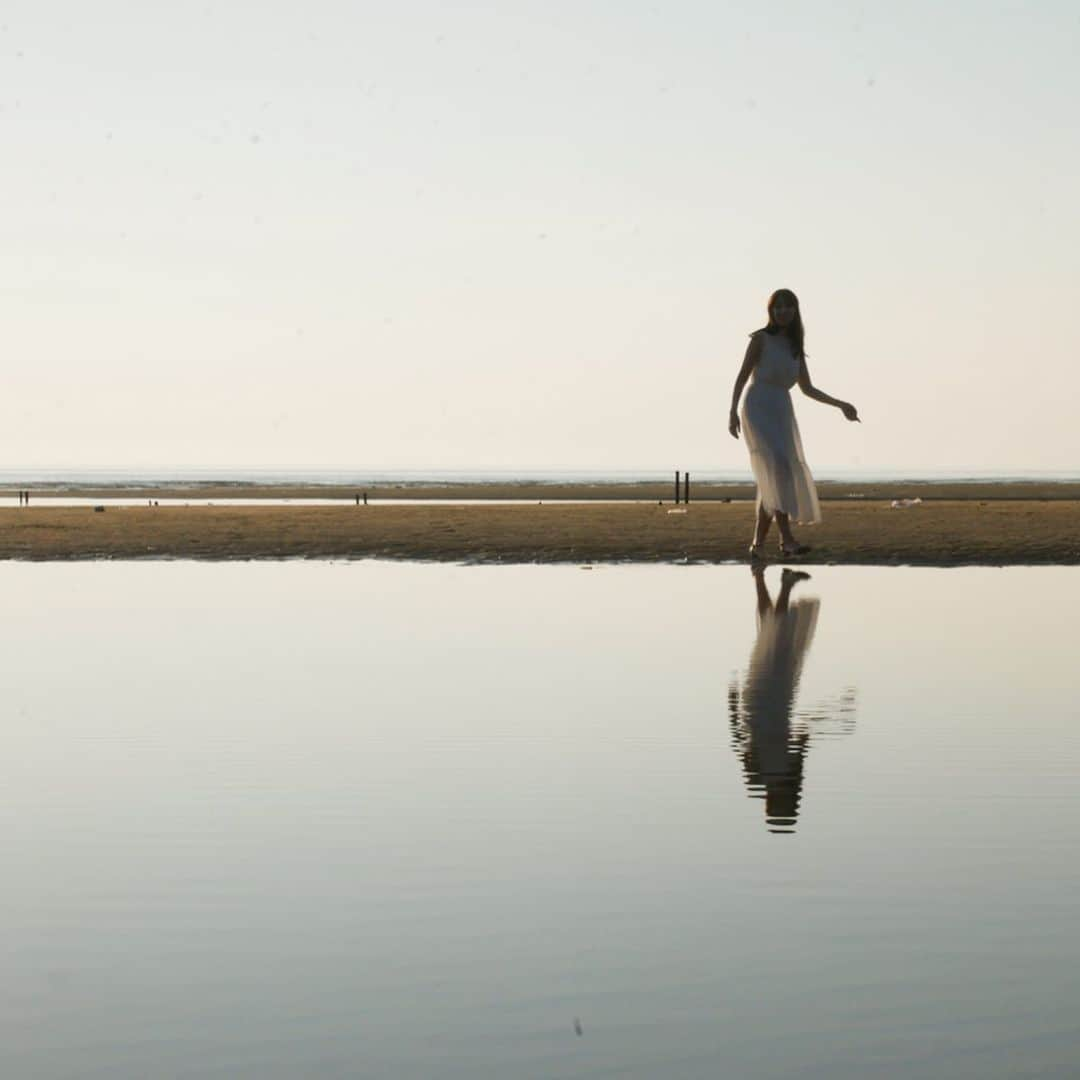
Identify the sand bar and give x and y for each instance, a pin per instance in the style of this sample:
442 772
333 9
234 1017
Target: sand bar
958 490
939 533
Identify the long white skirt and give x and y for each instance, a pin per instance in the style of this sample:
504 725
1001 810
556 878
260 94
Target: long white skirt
783 478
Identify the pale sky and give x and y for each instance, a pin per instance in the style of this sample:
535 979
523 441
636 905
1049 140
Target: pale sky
522 235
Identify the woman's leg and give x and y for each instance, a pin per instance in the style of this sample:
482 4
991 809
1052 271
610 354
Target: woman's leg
783 523
761 529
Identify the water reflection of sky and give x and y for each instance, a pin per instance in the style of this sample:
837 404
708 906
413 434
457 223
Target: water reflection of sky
462 806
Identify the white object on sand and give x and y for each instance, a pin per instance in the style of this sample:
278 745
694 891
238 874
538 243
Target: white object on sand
902 504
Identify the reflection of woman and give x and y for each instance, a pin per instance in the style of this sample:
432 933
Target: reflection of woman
772 753
775 361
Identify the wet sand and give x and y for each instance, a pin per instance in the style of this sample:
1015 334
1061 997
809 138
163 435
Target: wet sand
939 532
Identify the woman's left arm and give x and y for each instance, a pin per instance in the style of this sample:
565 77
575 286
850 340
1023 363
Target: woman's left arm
811 391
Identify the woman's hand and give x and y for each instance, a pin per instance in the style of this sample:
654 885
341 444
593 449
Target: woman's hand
733 423
849 411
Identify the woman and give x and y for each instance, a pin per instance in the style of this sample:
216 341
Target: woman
776 360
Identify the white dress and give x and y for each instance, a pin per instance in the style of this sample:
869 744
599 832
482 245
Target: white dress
772 436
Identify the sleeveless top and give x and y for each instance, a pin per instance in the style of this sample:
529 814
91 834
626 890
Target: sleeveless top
778 365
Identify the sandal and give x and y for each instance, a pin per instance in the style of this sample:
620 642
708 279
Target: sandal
788 550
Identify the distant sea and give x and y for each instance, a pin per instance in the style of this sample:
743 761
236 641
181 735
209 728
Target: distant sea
360 475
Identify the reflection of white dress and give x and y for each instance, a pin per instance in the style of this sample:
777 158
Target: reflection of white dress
772 751
772 436
768 697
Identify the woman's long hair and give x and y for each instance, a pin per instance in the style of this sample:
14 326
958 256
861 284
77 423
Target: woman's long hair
794 331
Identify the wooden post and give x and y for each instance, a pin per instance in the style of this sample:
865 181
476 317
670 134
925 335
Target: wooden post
676 487
686 489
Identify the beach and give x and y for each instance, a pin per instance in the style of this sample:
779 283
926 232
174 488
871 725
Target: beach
953 525
546 490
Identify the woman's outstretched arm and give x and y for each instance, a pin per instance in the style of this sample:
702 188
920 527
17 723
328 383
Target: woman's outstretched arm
812 392
753 354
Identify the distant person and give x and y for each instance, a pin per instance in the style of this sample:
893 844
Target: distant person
775 360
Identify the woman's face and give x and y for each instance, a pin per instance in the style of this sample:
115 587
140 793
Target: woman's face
783 311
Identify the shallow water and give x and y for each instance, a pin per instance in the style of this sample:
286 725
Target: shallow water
409 820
